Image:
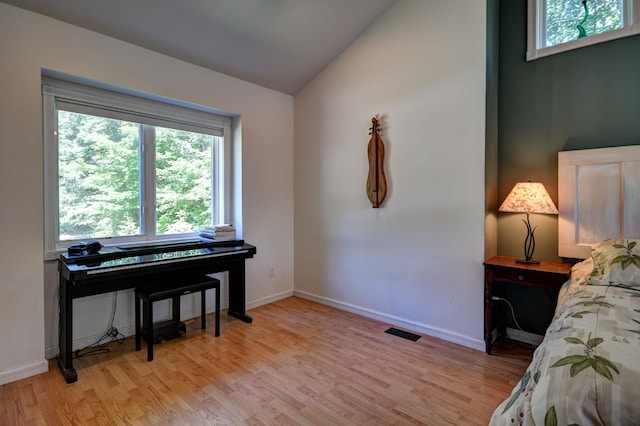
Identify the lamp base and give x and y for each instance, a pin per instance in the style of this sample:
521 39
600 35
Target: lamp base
528 262
529 245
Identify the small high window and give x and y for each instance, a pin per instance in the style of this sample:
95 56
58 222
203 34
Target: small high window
560 25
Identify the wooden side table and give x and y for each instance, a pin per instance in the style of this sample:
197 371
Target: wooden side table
501 270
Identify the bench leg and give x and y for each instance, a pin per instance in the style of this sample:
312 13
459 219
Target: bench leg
137 307
203 309
217 310
148 322
175 306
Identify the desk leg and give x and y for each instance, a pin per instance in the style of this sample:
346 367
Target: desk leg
237 292
65 331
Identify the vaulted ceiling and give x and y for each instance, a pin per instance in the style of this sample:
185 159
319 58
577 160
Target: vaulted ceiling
279 44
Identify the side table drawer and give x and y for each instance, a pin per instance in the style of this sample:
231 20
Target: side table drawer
528 277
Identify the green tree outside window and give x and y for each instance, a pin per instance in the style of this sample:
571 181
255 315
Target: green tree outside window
564 16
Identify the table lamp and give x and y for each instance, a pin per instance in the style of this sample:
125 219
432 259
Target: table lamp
528 197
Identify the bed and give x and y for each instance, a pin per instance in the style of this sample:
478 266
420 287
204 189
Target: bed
586 371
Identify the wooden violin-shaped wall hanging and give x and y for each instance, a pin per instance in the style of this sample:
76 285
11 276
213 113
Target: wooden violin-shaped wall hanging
376 181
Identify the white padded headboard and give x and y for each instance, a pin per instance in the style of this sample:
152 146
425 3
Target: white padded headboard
598 198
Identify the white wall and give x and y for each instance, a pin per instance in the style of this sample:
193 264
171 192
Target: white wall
28 286
417 261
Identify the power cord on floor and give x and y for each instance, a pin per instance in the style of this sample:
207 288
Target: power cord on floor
110 336
513 315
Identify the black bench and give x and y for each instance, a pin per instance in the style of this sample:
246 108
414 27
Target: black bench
171 288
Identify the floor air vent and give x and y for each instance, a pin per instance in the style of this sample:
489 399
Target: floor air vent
403 334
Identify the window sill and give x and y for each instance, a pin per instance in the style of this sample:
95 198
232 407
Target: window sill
537 53
533 53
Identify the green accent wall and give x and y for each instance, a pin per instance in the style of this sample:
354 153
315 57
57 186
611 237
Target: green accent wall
580 99
491 133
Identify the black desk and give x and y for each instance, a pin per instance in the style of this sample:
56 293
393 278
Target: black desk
116 269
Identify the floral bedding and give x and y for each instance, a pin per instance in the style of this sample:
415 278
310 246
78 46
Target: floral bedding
587 369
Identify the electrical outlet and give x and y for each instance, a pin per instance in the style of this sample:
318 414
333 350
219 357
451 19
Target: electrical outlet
272 271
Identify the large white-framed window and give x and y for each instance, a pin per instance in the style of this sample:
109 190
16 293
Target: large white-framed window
556 26
129 168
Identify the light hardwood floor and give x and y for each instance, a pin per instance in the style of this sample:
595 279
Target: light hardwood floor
298 363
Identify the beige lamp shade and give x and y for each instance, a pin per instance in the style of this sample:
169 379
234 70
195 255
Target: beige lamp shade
528 197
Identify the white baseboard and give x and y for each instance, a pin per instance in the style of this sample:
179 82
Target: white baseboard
416 327
524 336
130 329
270 299
23 372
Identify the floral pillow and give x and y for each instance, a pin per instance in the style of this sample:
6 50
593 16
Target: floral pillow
616 262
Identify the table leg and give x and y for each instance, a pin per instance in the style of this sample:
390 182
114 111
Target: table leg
488 310
65 331
237 292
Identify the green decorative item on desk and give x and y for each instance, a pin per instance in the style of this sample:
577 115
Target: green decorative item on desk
581 31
